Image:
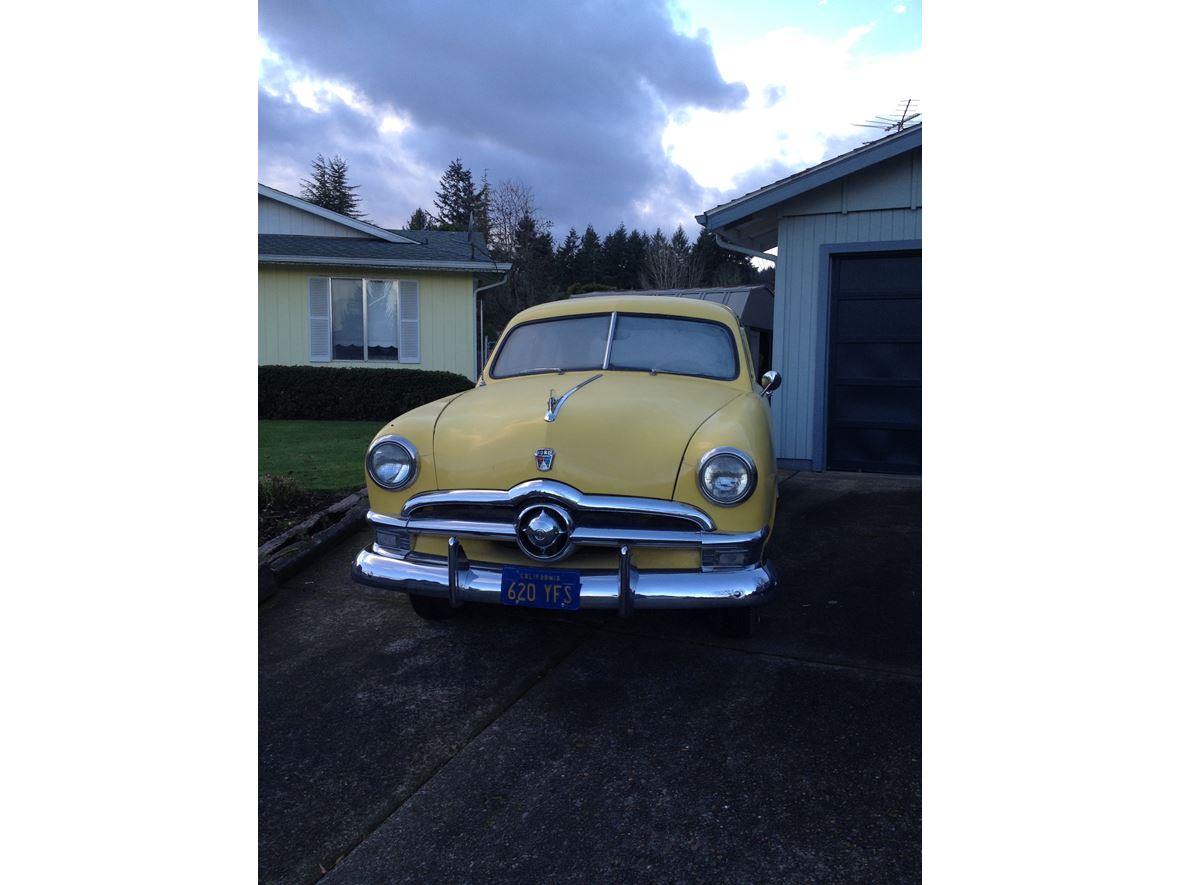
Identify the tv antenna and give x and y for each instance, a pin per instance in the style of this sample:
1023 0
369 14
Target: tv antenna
907 111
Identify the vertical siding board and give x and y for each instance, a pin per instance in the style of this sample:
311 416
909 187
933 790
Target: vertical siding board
791 400
778 404
800 399
808 380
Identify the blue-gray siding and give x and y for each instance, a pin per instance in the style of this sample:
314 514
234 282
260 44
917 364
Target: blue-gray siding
805 246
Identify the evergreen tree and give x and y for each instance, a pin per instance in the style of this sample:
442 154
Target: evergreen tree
566 260
328 187
614 258
588 264
636 250
722 267
533 278
419 220
458 202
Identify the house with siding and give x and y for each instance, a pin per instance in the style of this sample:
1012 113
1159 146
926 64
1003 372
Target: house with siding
847 304
334 291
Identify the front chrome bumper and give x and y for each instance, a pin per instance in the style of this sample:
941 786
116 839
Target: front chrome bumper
624 590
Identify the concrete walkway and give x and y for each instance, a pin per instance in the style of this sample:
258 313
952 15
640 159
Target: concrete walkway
535 746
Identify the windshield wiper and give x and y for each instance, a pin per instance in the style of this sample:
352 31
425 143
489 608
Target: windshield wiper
556 369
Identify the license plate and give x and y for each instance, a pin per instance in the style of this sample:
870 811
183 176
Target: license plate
541 588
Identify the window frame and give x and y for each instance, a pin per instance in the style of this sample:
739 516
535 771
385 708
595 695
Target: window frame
397 332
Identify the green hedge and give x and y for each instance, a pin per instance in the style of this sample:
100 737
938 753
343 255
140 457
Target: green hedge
324 393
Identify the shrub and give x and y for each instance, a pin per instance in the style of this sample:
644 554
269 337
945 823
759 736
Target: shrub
323 393
278 492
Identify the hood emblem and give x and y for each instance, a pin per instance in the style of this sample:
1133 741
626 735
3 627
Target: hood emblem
554 404
544 459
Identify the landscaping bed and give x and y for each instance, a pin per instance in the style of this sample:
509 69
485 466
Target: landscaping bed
276 519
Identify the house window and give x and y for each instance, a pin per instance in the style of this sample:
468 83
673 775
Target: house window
363 320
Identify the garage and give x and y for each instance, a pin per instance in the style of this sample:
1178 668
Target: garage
845 239
875 364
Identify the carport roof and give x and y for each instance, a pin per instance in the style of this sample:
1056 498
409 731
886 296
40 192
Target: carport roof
745 207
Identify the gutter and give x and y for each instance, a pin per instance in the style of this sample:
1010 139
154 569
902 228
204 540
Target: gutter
402 263
734 247
479 354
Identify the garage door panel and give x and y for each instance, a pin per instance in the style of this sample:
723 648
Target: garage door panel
881 274
880 450
879 360
878 404
875 319
874 410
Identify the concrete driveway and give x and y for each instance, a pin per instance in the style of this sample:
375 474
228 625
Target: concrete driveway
536 746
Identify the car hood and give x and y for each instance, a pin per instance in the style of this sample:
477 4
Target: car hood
622 434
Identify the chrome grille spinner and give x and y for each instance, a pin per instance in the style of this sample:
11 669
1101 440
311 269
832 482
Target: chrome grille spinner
543 532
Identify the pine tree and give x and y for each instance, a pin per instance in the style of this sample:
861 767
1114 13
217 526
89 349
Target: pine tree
420 220
328 187
567 256
721 267
614 258
588 264
636 249
458 202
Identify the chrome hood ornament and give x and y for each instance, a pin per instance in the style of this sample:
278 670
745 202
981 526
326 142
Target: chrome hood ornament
554 405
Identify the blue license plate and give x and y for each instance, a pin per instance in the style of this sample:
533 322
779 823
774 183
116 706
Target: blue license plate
541 588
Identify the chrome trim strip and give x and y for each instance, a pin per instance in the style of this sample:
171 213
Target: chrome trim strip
555 407
564 494
610 340
752 585
585 537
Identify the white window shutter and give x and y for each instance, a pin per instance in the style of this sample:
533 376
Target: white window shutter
319 320
407 320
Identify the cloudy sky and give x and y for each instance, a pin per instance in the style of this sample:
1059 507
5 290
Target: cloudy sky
644 112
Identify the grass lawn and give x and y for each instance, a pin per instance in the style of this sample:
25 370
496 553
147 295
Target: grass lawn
322 456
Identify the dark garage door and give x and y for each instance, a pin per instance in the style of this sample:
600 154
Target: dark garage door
875 363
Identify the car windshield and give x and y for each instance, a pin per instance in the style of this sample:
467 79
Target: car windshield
673 345
641 342
560 345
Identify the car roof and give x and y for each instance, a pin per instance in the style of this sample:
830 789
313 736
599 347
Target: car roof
657 304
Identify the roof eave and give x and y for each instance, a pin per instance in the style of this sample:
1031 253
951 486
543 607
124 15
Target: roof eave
737 210
398 263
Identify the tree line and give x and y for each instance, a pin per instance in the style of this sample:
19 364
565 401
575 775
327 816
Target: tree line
543 270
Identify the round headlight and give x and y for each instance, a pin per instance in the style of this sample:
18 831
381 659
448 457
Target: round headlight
392 462
727 476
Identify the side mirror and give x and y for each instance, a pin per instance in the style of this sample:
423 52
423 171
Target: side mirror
770 382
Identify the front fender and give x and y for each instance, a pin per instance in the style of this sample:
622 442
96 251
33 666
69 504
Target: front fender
416 425
744 423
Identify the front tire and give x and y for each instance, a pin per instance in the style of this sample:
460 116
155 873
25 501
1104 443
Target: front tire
431 608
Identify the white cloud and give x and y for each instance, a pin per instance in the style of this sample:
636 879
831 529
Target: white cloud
899 8
826 86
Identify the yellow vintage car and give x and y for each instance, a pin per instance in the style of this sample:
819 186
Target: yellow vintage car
615 453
